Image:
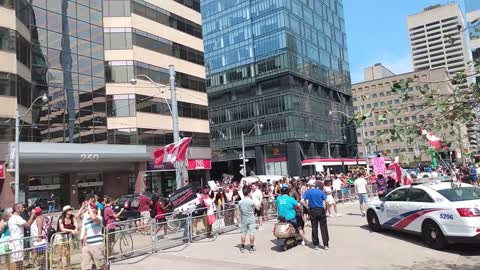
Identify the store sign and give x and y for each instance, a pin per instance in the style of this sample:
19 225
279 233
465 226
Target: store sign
2 169
43 187
160 167
199 164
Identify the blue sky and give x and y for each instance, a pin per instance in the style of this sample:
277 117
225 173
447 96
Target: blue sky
377 32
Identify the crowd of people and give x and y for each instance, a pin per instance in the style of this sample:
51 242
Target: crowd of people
298 201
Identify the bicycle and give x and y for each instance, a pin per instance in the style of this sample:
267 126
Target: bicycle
124 238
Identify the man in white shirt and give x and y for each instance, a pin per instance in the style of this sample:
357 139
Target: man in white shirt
257 197
361 191
16 224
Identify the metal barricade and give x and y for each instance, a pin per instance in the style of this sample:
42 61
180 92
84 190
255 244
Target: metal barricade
24 254
226 219
130 238
165 237
200 227
65 251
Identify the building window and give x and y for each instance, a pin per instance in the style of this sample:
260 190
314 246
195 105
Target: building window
372 133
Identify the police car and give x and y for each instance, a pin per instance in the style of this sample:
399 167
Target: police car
440 211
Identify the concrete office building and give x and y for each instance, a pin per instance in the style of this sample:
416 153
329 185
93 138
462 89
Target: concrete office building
282 65
376 96
144 38
376 72
66 145
473 23
436 39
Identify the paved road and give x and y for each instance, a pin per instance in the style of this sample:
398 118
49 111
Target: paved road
352 246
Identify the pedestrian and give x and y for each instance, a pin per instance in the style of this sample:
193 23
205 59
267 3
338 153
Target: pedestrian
4 238
160 220
381 182
110 217
51 203
92 237
66 227
289 209
209 205
361 191
257 196
331 203
144 204
16 225
247 207
314 199
38 233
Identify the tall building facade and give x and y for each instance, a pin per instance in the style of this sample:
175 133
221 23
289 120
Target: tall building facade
472 8
276 68
376 96
437 38
93 137
144 38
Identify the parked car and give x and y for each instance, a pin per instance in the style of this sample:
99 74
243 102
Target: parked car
125 201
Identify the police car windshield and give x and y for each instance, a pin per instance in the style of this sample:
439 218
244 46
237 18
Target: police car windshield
461 194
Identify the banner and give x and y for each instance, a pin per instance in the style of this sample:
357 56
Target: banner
378 165
182 196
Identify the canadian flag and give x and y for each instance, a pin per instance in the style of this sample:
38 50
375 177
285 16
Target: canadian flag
400 174
172 152
433 140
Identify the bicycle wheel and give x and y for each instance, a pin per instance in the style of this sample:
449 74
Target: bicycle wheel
126 245
174 224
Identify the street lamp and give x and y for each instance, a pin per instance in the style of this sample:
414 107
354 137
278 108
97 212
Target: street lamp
243 144
173 111
44 98
328 144
363 136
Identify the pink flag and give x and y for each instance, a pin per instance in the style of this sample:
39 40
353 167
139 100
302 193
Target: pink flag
401 175
172 152
378 165
433 140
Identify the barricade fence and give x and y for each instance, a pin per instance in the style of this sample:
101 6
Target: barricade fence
134 237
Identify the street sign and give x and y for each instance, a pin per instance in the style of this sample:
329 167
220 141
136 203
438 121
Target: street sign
242 172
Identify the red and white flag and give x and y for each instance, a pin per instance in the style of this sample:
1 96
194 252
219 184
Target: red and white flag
400 174
172 152
433 140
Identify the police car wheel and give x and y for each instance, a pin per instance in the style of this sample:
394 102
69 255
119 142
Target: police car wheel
373 221
433 235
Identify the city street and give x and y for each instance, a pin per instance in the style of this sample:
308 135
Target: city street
352 246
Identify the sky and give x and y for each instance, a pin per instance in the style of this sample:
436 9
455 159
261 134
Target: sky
377 33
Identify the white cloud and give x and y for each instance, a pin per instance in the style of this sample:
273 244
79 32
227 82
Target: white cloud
397 65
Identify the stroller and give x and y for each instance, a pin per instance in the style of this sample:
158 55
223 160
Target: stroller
284 230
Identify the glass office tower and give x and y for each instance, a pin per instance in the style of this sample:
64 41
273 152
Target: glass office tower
60 44
282 64
472 8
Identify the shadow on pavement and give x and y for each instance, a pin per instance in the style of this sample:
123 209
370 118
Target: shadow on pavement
457 249
434 264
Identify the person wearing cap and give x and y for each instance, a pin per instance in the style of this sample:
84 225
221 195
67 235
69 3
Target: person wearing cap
314 199
91 236
66 227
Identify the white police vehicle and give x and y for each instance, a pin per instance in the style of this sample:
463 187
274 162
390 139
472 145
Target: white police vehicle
440 211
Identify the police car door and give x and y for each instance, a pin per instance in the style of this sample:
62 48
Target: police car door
395 202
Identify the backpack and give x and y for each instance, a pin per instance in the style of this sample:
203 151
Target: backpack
48 229
135 203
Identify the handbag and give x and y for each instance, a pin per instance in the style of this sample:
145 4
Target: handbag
219 225
40 246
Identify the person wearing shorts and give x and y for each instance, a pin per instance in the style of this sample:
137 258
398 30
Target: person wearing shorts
361 190
92 237
16 224
248 225
144 204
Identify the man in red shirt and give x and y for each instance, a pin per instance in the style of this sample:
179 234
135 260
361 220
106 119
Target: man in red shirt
144 204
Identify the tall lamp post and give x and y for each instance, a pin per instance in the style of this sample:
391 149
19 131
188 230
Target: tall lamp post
243 145
173 111
328 144
363 137
44 98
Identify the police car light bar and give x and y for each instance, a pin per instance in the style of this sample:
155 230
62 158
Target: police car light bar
431 180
